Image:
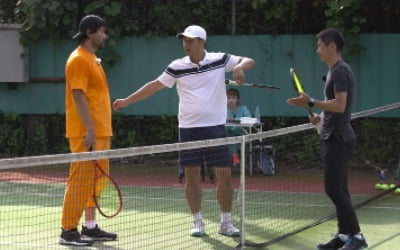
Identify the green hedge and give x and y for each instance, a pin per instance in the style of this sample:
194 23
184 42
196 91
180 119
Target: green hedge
378 138
45 134
54 19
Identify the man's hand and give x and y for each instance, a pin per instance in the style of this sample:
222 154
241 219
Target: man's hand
315 119
90 139
245 63
302 100
238 74
118 104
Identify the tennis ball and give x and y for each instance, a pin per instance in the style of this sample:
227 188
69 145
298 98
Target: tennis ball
391 186
385 186
378 186
397 191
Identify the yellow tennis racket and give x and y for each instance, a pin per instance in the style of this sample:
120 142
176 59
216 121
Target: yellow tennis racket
298 87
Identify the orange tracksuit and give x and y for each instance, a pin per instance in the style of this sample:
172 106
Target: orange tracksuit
83 71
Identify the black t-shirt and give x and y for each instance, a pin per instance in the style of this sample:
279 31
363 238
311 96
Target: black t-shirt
340 78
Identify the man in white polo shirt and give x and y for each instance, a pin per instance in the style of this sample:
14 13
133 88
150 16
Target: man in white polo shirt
200 81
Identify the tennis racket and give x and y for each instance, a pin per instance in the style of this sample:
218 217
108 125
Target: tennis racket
234 83
106 193
382 172
298 86
384 181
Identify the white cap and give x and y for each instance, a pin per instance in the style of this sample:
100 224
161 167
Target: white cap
194 31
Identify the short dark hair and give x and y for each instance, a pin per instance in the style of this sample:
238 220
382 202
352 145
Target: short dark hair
332 35
233 92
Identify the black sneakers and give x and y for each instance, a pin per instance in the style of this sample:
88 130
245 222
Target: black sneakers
334 243
96 234
354 243
73 238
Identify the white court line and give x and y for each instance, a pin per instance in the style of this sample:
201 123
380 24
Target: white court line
261 203
213 201
41 246
26 244
382 207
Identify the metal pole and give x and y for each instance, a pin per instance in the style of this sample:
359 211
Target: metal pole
242 190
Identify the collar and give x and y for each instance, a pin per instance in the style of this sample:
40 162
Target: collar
93 55
335 63
205 60
86 51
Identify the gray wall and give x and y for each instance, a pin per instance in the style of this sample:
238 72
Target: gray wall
13 63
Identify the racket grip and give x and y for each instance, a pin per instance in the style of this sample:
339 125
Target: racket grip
309 111
230 82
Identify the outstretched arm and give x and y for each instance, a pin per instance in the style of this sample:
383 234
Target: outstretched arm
144 92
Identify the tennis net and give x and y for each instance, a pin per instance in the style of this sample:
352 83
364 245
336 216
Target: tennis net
156 214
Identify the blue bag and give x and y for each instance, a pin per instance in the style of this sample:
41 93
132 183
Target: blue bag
265 161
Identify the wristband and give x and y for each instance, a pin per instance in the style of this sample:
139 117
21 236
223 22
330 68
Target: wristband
311 102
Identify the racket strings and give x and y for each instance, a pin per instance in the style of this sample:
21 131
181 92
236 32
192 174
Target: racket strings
106 193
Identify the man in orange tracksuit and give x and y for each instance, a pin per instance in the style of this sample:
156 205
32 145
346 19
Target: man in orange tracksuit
88 127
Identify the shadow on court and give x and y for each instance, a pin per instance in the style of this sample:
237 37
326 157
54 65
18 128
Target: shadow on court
215 243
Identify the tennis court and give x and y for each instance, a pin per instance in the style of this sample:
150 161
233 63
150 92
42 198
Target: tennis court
378 220
284 211
156 215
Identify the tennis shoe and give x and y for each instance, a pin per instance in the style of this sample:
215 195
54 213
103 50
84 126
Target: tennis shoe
73 238
96 234
228 229
199 229
335 243
354 243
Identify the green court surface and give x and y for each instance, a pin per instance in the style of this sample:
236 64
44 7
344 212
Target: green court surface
379 221
158 218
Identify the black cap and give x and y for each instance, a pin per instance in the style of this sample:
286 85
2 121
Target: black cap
91 22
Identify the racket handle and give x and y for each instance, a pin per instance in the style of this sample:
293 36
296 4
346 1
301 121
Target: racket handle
309 111
230 82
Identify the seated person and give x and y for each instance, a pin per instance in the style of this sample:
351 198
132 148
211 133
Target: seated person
235 112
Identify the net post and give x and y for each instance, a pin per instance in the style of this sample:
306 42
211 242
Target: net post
242 190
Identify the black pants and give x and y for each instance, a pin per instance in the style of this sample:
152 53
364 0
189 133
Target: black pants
336 154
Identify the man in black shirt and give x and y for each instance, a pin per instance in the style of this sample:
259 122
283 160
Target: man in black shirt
337 136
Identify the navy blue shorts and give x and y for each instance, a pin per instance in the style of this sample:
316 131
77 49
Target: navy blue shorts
218 156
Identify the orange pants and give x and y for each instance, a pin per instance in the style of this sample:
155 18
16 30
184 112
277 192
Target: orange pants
80 185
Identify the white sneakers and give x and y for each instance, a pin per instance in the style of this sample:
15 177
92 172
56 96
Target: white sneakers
198 229
228 229
225 228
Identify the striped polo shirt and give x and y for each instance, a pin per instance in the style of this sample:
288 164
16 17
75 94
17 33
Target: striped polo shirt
201 88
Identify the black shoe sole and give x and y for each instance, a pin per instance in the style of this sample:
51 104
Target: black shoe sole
100 238
74 243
